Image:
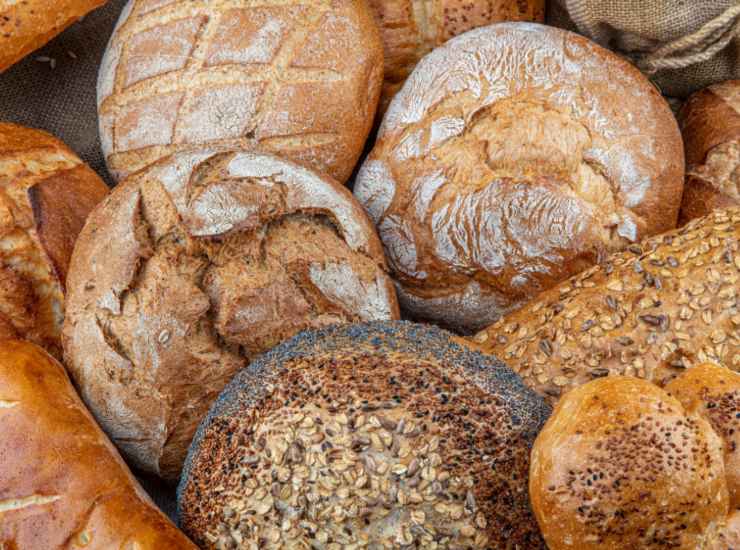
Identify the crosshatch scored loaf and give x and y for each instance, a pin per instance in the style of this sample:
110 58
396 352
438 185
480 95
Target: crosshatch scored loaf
299 78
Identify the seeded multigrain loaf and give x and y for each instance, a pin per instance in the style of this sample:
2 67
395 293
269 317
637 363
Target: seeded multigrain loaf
410 29
621 464
710 124
383 435
300 78
194 266
665 305
515 156
62 483
46 192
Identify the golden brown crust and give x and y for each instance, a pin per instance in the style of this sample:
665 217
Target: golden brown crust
621 464
28 25
63 485
46 192
652 311
300 79
710 124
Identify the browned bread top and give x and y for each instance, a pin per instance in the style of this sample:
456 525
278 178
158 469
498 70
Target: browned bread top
710 124
29 24
46 192
194 266
658 308
62 483
515 156
301 79
621 464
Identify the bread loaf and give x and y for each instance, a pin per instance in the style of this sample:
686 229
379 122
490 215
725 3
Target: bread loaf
62 484
515 156
194 266
301 79
46 192
710 123
27 25
621 464
381 435
653 311
412 28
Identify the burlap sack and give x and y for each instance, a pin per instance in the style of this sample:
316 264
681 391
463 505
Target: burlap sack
682 45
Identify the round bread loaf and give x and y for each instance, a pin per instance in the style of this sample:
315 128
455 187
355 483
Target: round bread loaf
621 464
383 435
710 123
515 156
301 79
46 192
652 311
194 266
412 28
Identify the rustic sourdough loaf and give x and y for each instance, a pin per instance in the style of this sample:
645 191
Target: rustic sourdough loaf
412 28
29 24
46 192
381 435
62 483
515 156
301 79
652 311
621 464
710 123
194 266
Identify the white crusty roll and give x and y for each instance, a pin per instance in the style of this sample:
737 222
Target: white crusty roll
515 156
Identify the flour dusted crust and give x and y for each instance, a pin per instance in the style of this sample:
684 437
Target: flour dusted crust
46 192
515 156
194 266
377 435
301 79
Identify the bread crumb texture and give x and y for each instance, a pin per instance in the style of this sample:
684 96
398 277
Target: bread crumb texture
385 435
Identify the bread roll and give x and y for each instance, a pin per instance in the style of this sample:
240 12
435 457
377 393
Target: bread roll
194 266
298 79
412 28
46 192
515 156
652 311
710 124
26 26
713 392
383 435
621 464
62 484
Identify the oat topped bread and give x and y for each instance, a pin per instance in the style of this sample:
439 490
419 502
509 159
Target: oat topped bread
300 78
515 156
194 266
46 192
379 435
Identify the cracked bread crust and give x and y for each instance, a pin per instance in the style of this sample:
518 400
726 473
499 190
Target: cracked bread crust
515 156
63 483
240 74
194 266
374 433
46 193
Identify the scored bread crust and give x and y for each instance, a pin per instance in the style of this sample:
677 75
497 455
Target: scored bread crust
63 484
194 266
46 192
652 311
621 464
413 437
26 26
300 79
710 124
410 29
515 156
